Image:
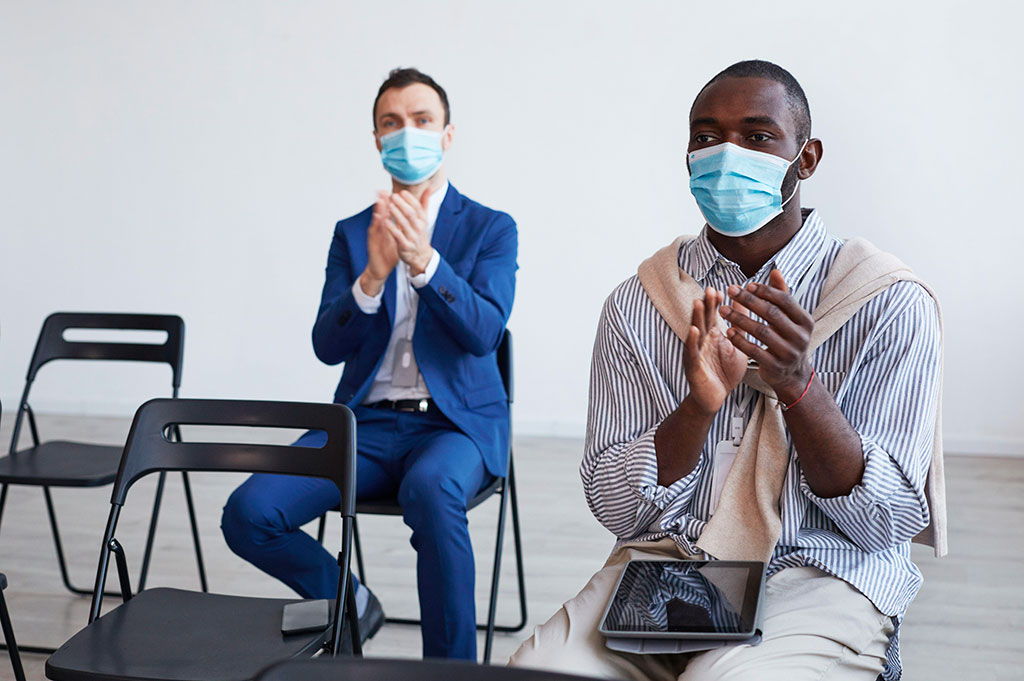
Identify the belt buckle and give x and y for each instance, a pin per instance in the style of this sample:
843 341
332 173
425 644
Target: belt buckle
423 406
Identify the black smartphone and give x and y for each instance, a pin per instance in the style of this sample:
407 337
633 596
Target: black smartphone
303 616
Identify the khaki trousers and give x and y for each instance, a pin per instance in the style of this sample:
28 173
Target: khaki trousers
815 627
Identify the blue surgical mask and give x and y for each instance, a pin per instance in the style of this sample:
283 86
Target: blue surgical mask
738 190
412 154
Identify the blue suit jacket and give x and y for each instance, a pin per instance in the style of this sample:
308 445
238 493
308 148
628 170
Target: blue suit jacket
459 322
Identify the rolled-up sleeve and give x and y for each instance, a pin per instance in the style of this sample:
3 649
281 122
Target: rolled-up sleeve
620 465
891 401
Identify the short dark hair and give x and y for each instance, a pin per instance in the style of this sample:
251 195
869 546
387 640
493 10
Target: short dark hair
404 77
757 68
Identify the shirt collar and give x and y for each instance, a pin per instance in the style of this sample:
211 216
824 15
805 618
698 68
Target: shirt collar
434 205
699 255
802 251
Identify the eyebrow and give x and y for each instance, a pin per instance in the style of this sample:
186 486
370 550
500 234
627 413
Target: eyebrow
749 120
421 112
761 120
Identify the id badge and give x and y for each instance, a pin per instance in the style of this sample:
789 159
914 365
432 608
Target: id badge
404 372
725 455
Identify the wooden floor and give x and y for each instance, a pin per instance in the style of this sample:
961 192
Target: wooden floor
967 622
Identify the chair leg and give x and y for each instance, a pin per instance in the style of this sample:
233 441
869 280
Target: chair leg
495 575
58 546
11 644
520 572
195 531
355 542
353 619
148 551
518 544
517 538
359 550
3 500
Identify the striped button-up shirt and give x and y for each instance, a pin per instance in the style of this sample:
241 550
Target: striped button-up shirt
882 367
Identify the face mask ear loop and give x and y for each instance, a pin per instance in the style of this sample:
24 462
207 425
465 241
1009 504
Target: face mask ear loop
791 195
796 160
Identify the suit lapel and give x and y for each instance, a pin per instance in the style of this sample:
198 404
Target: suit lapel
448 221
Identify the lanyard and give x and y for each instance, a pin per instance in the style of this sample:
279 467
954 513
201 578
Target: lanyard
740 415
411 300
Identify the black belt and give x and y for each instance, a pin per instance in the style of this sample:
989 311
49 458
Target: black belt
424 406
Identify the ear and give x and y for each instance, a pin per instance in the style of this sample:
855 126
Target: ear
809 158
376 140
447 137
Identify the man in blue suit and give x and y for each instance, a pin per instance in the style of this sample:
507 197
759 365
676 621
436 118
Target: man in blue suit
418 290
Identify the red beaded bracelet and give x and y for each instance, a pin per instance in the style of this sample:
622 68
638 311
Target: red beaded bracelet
787 407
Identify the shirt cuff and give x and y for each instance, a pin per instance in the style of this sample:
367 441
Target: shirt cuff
368 304
879 482
642 474
421 280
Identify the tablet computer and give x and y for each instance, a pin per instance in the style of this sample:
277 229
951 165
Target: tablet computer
686 599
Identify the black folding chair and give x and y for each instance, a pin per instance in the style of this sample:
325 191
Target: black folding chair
8 628
172 634
59 463
375 669
505 487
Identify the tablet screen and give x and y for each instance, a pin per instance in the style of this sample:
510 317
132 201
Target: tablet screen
685 597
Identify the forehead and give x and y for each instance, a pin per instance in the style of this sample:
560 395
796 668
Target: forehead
731 100
409 99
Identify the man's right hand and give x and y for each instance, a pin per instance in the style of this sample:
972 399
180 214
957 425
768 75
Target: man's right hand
713 365
381 249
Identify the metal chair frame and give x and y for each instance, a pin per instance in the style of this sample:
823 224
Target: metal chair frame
152 448
51 346
9 643
505 488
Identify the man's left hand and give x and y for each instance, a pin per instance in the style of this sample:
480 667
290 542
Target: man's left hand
409 228
785 333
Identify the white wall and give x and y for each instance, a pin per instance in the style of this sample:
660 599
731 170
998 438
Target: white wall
193 156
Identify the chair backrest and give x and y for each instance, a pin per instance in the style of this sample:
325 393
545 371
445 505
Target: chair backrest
505 365
150 448
52 344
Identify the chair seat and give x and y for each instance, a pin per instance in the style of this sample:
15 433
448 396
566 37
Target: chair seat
181 636
390 506
62 464
370 669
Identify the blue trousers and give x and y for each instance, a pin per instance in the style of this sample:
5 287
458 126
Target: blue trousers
432 468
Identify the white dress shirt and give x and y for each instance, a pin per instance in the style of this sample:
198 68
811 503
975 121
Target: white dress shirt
406 302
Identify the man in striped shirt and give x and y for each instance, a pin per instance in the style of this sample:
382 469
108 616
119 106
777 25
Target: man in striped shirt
666 410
